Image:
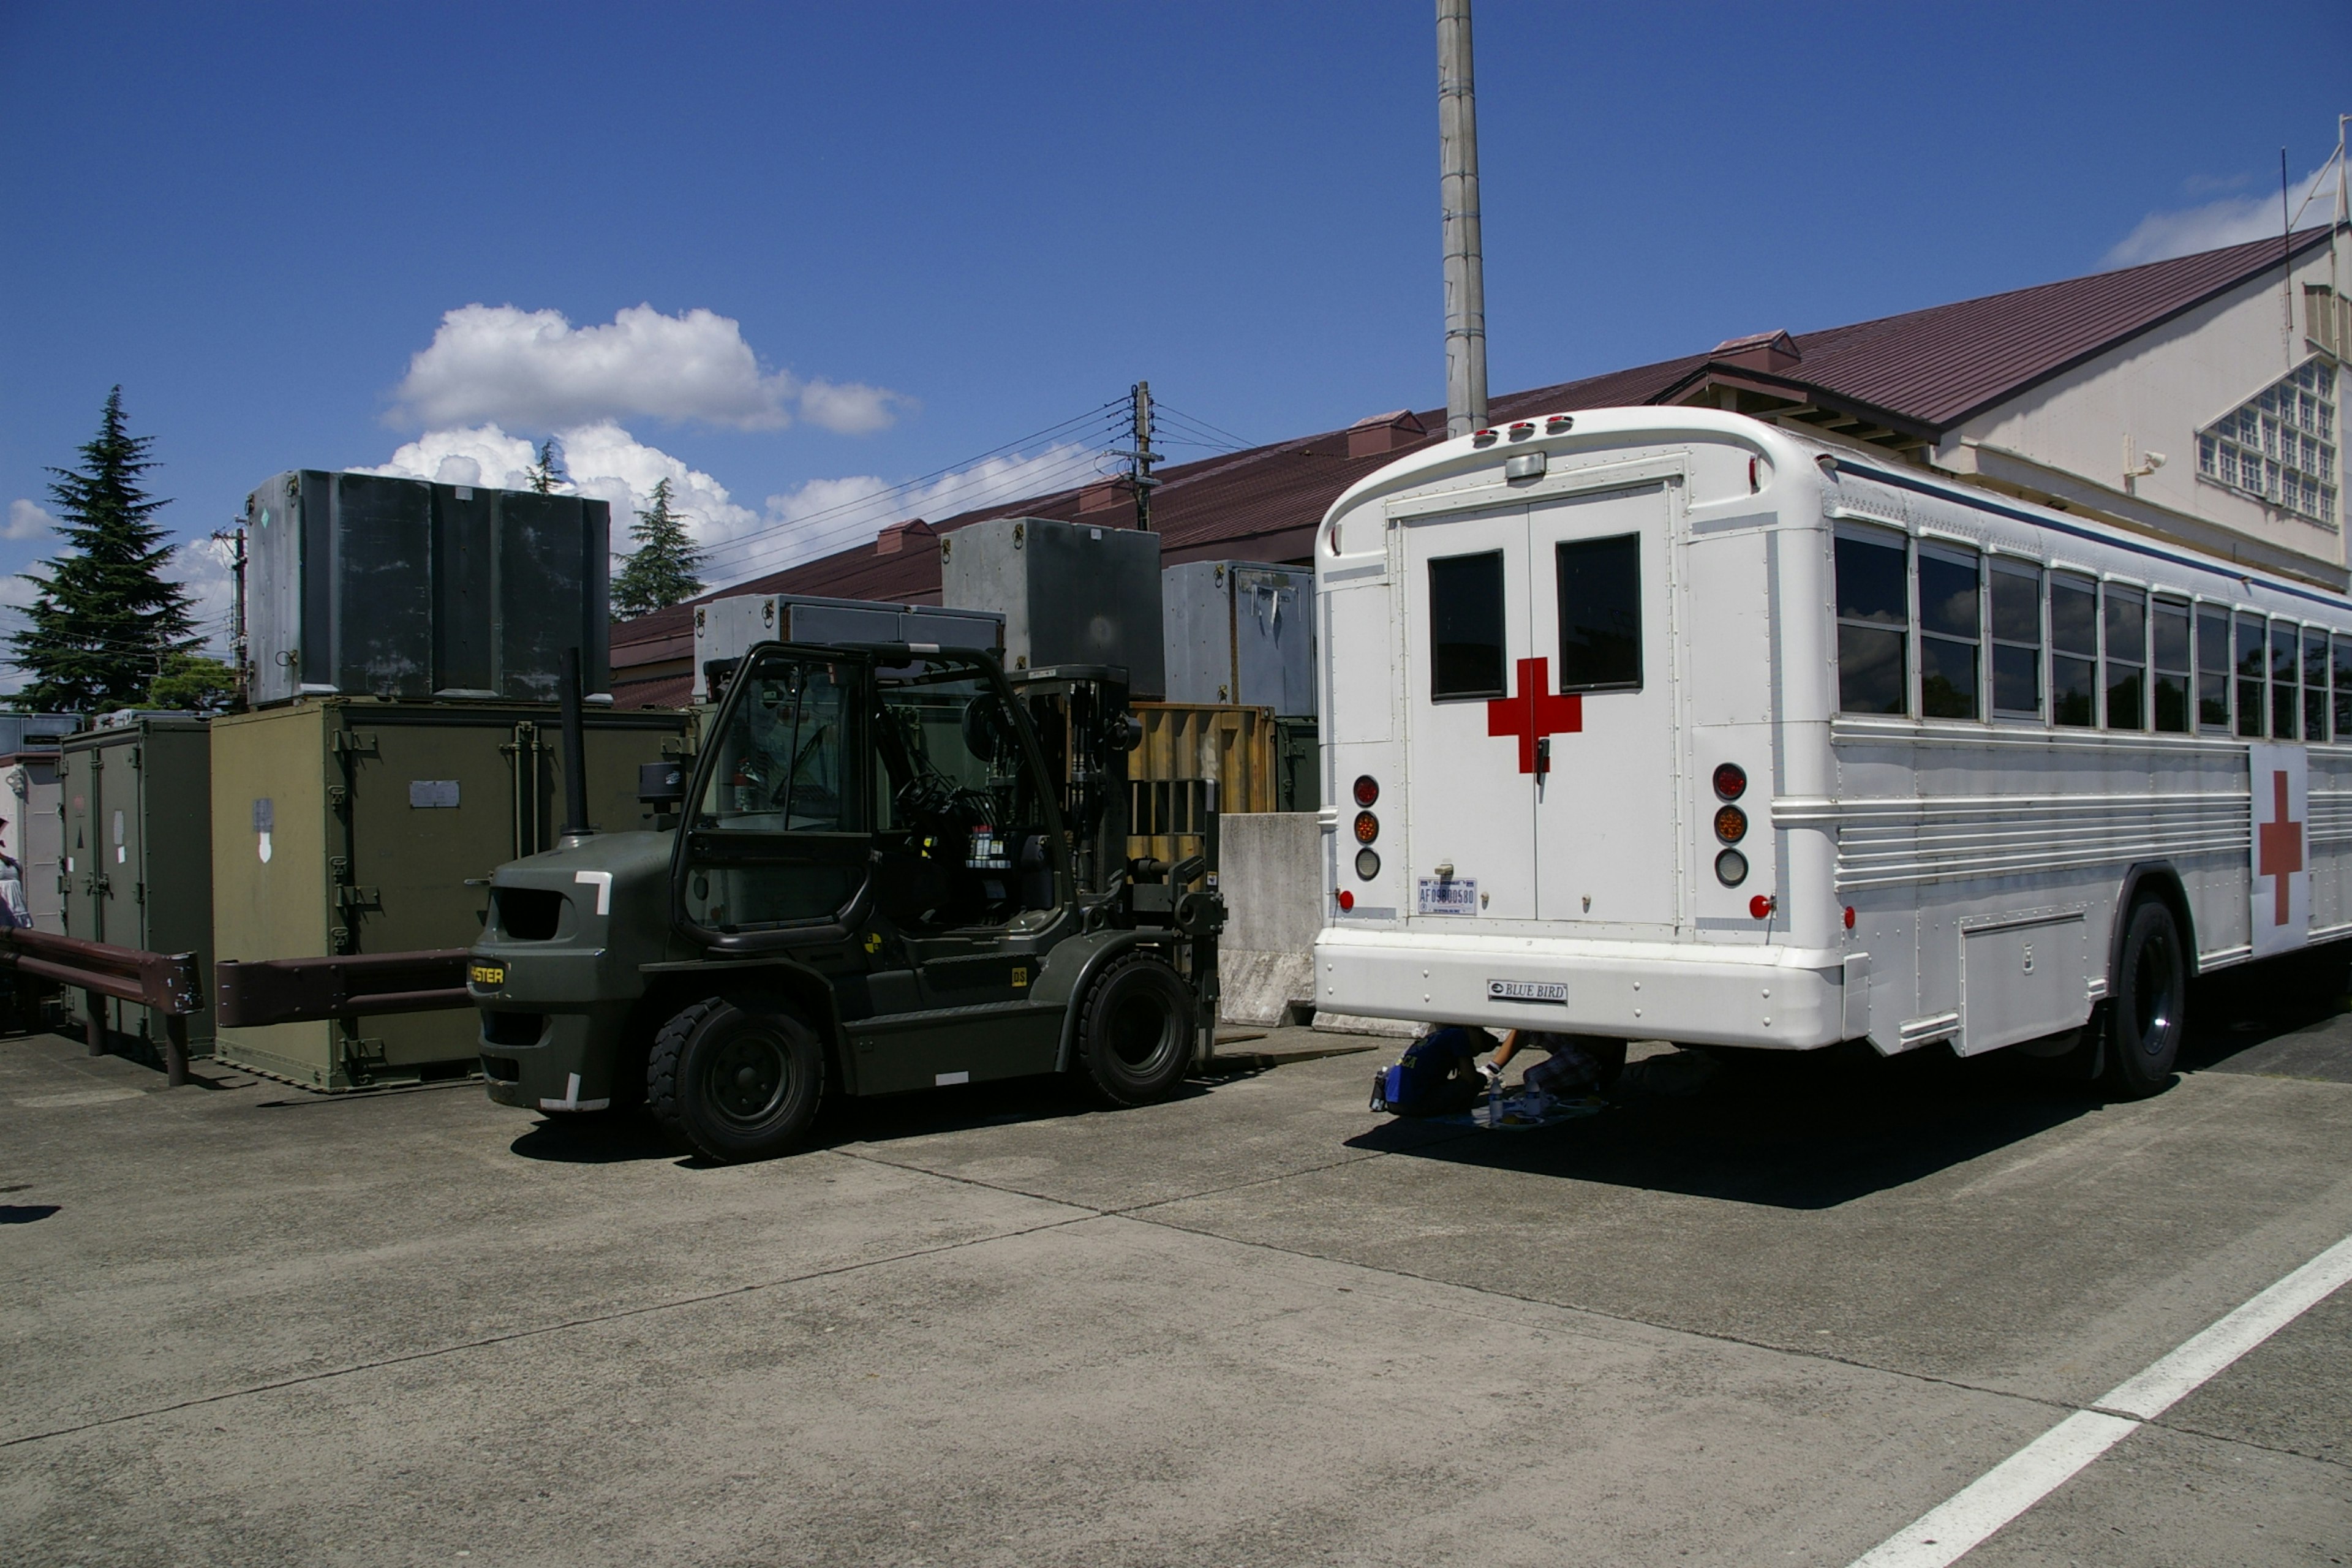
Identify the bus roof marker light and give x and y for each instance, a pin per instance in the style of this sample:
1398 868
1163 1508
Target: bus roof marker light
1523 429
1559 423
1484 437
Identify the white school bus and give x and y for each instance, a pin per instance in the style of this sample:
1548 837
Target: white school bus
1666 723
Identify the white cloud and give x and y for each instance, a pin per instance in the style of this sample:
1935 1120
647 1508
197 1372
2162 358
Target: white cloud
27 521
2231 221
534 370
203 567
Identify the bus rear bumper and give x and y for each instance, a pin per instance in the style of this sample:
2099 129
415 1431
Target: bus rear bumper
1783 998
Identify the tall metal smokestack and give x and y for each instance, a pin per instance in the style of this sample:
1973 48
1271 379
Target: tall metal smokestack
1465 269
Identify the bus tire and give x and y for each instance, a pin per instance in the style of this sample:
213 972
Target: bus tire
2147 1013
735 1077
1135 1037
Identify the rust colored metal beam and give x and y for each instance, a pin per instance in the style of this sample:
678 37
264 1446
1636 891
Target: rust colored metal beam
168 983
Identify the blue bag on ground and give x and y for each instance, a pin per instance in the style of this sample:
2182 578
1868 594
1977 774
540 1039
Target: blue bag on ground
1438 1075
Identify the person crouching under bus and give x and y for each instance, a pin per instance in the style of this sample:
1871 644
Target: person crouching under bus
1577 1065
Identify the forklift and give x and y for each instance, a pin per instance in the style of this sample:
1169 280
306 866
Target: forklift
888 867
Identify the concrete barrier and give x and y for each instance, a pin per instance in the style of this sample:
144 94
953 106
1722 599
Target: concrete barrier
1271 872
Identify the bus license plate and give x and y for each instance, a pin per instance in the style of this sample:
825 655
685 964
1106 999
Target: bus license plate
1527 991
1448 896
490 974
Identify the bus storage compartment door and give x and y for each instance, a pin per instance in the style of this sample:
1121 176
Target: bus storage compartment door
2021 977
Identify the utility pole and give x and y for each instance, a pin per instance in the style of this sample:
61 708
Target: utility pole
234 537
1140 459
1465 272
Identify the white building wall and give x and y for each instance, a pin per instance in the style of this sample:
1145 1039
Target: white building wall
2066 437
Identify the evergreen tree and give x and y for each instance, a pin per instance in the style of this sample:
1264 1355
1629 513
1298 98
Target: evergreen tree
105 622
193 682
547 472
663 570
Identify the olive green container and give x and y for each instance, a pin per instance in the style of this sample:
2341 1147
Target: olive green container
137 861
345 825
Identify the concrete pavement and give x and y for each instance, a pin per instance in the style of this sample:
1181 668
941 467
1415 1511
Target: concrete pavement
1774 1322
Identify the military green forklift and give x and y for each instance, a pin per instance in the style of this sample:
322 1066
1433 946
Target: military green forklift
890 868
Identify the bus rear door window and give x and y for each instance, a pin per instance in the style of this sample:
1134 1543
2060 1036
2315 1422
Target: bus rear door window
2016 640
2285 707
2253 700
1601 614
1952 630
2126 650
1874 607
1465 627
2212 668
2168 640
2315 685
2074 650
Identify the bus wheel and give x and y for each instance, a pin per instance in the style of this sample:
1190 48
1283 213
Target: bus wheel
738 1078
2145 1015
1136 1036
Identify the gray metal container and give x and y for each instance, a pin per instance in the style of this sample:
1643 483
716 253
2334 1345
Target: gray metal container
34 731
365 584
726 628
138 851
1069 593
1242 631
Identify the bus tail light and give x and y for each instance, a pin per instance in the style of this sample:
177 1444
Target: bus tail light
1346 900
1762 905
1367 827
1367 864
1730 780
1849 917
1731 867
1367 789
1730 824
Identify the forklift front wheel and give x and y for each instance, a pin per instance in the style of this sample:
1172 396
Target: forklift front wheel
1136 1037
738 1078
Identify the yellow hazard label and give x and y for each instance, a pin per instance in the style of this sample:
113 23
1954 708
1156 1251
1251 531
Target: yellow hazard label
488 975
1019 978
874 941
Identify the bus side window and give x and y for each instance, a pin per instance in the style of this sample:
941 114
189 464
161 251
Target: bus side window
2343 687
2212 668
2074 650
1601 614
2126 646
2285 709
1873 614
1952 630
2168 626
1465 627
2253 706
2315 684
2016 640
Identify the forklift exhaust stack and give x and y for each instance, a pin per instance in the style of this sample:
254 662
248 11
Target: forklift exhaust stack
575 750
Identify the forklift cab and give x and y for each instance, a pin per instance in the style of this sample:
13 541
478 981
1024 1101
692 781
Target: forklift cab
874 787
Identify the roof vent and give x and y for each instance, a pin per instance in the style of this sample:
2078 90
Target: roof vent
893 539
1759 351
1385 433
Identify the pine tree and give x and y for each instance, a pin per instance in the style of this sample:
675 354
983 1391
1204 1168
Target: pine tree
105 620
663 570
547 472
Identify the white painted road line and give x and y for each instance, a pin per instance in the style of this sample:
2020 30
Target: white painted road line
1946 1534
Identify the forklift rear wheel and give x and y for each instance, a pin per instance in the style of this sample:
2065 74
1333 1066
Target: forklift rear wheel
1136 1037
738 1078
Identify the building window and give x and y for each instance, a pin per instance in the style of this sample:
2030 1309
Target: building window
2343 661
2252 662
2073 650
2279 446
1465 627
2168 642
1601 614
1951 631
1874 613
2126 651
2016 640
2212 668
2315 684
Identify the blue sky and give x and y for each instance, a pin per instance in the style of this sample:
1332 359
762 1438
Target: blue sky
916 233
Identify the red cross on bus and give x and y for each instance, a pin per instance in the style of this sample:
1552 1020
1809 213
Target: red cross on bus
1534 715
2279 849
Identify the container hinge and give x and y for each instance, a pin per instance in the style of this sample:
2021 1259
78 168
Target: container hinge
360 1054
339 868
358 898
354 742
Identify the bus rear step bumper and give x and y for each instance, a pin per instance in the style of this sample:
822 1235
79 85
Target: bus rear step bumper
1784 998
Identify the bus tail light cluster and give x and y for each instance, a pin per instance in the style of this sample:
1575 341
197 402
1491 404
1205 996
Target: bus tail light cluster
1730 824
1367 828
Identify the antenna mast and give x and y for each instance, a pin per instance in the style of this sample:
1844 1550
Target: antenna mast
1465 272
